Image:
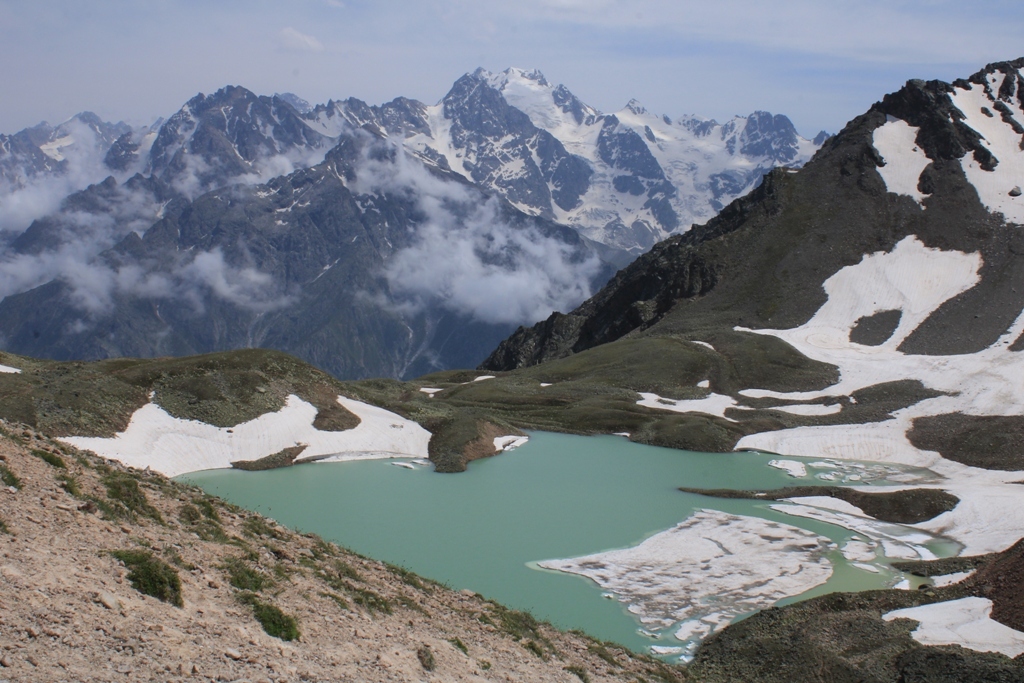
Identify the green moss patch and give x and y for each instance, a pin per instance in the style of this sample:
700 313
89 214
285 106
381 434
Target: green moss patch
51 459
151 576
8 477
127 499
274 621
243 576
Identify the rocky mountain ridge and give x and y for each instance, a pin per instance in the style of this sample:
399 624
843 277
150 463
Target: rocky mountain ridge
626 179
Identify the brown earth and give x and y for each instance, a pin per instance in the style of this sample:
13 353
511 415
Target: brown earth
69 610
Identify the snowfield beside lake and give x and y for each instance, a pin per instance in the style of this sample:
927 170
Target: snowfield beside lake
173 446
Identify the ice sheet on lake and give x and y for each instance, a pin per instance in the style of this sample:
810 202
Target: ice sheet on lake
707 570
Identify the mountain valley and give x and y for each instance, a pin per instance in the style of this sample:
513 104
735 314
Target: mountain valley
865 308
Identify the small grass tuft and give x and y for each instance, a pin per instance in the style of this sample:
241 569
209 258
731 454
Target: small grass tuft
243 577
151 576
459 645
175 557
127 498
8 477
408 603
202 525
70 484
274 622
207 507
341 602
579 672
601 651
51 459
4 529
366 598
409 578
257 526
535 647
426 658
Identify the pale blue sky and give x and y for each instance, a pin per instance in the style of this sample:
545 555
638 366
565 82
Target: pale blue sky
820 62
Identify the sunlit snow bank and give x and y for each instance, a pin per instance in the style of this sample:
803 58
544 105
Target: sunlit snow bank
998 136
915 280
966 622
896 141
712 404
707 570
174 446
8 369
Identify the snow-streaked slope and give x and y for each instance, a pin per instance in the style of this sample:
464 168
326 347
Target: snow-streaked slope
174 446
915 280
995 117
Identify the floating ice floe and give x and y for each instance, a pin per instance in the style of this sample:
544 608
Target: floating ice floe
790 467
966 622
174 446
707 570
507 443
897 541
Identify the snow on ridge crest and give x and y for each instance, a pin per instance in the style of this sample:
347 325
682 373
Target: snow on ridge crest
986 113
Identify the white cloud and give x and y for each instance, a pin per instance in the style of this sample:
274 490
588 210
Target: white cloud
466 257
293 39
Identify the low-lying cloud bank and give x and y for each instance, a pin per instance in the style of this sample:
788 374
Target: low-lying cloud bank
466 257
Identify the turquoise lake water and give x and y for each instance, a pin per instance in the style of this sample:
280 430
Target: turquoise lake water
558 496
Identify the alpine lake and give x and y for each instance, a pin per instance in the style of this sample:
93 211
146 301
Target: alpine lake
557 496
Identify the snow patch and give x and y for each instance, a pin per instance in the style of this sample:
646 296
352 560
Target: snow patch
811 409
896 141
999 138
9 369
950 579
966 622
712 404
174 446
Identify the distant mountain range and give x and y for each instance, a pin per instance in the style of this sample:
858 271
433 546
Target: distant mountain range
383 240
